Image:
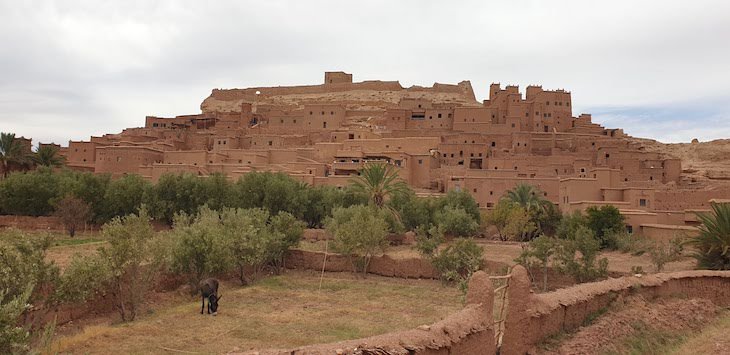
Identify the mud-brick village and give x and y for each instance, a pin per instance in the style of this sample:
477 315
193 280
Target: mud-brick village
364 178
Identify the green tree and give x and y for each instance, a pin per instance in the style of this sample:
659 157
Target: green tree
175 193
360 232
527 196
127 251
23 262
712 244
415 212
460 199
124 196
458 261
200 248
605 221
11 153
73 212
29 194
578 257
274 192
287 231
511 221
48 156
457 222
87 186
379 181
569 225
13 338
538 254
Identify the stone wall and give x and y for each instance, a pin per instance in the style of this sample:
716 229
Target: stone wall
534 317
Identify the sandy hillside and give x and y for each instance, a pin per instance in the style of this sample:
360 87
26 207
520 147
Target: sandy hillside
703 164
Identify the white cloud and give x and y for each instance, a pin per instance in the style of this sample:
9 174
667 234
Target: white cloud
76 68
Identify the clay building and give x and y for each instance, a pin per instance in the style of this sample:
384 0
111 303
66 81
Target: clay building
440 138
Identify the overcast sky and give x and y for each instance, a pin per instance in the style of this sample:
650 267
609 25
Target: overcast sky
72 69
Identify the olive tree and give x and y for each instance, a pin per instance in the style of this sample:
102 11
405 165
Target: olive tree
360 232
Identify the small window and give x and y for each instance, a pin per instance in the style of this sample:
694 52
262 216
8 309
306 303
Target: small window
439 115
420 161
642 202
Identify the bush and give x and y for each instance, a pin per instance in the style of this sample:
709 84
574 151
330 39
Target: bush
713 242
428 241
13 338
569 224
511 220
200 248
415 212
663 253
84 278
29 194
460 199
458 261
23 262
538 254
166 198
456 221
603 221
24 277
127 251
360 232
578 257
123 196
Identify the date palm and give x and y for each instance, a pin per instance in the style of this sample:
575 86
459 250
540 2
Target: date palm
47 155
11 152
712 245
379 182
527 196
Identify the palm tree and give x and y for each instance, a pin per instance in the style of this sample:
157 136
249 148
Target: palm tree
527 196
713 242
379 181
11 152
47 155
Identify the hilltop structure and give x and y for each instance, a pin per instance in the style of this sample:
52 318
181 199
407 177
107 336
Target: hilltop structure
440 138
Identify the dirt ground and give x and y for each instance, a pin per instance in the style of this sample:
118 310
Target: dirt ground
281 311
635 325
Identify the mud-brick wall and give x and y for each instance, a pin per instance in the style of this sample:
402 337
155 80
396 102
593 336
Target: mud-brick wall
31 223
412 268
534 317
469 331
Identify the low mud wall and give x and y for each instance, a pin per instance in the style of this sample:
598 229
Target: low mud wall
31 223
534 317
410 268
469 331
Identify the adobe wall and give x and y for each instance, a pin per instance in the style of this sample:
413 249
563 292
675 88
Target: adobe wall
469 331
31 223
534 317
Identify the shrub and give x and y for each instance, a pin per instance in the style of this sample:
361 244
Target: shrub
512 221
13 338
415 212
73 212
166 199
569 224
127 251
29 194
124 196
578 257
603 221
713 242
287 231
458 261
360 232
538 254
463 200
428 241
456 221
200 247
84 278
23 262
663 253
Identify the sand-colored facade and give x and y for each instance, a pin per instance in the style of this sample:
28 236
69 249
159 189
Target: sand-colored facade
440 138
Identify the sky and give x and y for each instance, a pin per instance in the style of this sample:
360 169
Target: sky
73 69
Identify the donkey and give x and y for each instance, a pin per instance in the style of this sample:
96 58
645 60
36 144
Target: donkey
209 290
